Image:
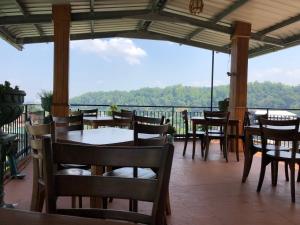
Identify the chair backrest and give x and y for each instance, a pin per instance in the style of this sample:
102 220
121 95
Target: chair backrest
150 190
123 118
68 123
250 118
153 134
218 119
89 112
128 113
279 130
185 120
149 120
36 132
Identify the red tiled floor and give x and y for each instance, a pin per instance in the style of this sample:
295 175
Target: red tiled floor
206 193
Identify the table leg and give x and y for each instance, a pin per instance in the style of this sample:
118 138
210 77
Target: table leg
96 202
95 125
194 139
248 156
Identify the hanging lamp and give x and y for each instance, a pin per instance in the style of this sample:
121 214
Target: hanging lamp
196 6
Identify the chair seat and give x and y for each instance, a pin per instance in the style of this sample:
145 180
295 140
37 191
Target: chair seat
127 172
76 166
272 147
282 155
216 135
74 172
198 133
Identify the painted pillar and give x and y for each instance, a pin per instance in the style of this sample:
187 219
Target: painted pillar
61 19
239 71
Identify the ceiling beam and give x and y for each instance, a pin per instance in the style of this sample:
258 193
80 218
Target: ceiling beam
288 42
157 6
21 7
146 14
92 23
127 34
279 25
7 36
234 6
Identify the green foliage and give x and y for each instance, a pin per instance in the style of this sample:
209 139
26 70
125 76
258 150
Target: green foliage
112 108
264 94
46 100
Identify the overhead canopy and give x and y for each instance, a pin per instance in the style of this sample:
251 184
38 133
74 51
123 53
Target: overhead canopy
275 24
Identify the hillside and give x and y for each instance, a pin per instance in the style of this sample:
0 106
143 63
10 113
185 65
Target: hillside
264 94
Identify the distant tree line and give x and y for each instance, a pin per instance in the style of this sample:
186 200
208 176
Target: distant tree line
266 94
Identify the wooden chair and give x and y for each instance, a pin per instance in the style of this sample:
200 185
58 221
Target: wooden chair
89 112
128 172
150 190
68 123
38 188
123 119
252 119
189 133
149 120
217 119
277 131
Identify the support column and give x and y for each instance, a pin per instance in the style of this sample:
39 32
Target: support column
61 19
239 71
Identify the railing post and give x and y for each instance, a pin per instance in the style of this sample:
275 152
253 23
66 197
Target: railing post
173 109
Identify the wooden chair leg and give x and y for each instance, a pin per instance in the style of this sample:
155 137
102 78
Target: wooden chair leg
80 202
34 197
292 168
286 169
202 147
274 172
225 150
41 199
206 149
185 145
73 202
168 205
298 178
247 167
262 174
104 203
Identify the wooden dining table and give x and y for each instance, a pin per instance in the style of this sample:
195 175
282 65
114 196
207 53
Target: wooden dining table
107 136
19 217
234 129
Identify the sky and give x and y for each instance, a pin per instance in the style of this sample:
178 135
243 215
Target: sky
130 64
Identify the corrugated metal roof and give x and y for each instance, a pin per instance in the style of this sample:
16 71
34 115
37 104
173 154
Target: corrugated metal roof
275 23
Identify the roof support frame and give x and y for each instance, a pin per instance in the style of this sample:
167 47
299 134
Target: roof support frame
92 23
7 36
157 6
279 25
219 16
288 42
135 14
25 13
128 34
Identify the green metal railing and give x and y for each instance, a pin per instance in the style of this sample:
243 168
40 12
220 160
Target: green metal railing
173 113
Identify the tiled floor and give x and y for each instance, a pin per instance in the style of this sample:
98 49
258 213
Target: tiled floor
208 193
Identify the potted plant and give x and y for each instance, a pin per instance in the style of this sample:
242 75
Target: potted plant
223 105
171 132
112 108
46 102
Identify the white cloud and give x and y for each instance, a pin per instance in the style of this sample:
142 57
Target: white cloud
284 75
109 48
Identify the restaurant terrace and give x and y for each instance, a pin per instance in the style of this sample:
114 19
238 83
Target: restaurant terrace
203 187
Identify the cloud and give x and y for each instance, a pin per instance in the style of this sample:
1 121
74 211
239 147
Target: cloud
112 48
284 75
